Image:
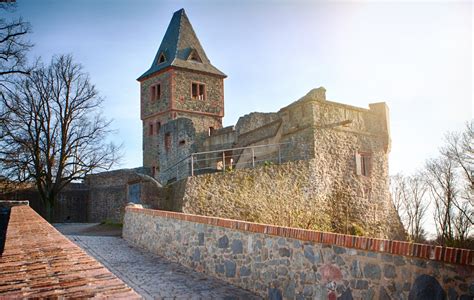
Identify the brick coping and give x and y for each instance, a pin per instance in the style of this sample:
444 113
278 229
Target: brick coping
41 263
423 251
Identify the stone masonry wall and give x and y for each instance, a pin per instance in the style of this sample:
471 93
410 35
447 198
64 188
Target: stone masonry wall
148 106
310 198
214 97
71 206
149 109
108 194
279 262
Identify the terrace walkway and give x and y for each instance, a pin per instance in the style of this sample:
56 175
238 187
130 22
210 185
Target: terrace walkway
151 276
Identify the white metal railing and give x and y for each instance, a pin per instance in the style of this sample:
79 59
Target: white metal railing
225 160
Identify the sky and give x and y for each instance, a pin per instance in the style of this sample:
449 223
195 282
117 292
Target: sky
415 56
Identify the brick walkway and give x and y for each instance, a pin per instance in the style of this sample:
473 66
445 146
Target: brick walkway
39 262
154 277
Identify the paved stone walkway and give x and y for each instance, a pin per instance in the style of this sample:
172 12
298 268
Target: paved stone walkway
154 277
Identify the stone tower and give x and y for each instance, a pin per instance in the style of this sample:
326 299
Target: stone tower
181 83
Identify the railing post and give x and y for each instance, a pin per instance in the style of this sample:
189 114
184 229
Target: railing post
192 165
223 162
253 158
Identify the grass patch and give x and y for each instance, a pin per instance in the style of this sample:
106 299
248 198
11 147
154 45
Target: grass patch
111 223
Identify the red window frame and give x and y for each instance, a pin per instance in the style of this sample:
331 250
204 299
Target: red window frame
198 91
155 92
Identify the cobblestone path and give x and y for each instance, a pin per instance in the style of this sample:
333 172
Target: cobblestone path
154 277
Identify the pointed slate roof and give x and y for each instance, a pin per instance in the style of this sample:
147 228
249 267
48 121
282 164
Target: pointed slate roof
177 44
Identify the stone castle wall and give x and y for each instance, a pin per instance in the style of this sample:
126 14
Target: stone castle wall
176 102
71 205
279 262
109 193
299 194
149 110
214 97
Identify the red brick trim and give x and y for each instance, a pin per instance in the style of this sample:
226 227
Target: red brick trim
199 72
155 74
41 263
424 251
179 68
222 98
172 86
180 110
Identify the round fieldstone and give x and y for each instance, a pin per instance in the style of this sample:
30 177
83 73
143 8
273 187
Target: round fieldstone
356 270
245 271
284 252
389 271
229 268
368 295
237 247
223 242
201 238
289 291
197 254
307 291
398 260
338 250
220 268
362 285
426 287
309 253
346 295
372 271
282 271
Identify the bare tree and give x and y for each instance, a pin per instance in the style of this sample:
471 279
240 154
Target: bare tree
415 207
441 179
54 132
408 196
398 192
13 46
460 148
453 218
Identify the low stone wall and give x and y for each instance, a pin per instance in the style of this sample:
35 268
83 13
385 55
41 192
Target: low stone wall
308 198
292 263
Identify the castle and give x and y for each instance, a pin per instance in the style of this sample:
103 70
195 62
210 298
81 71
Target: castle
315 163
182 106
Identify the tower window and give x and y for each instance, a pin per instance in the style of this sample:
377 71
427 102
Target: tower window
153 171
363 164
150 129
211 131
155 92
162 58
167 141
198 91
158 126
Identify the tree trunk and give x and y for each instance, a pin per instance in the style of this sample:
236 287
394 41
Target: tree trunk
49 208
